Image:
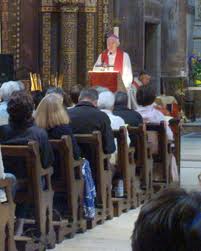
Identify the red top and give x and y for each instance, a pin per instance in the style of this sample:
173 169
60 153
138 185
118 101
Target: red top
118 64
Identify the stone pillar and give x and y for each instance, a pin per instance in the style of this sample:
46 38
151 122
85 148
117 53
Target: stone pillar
4 27
68 62
197 28
46 44
49 40
86 41
104 18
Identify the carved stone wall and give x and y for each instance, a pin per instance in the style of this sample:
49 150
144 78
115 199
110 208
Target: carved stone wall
49 62
68 62
86 42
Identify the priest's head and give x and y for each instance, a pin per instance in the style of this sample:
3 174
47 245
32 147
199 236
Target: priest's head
112 43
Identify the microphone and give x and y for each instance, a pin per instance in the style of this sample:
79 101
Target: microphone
110 53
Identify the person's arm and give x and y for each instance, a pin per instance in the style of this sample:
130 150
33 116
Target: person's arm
46 152
2 173
168 130
76 149
127 75
107 136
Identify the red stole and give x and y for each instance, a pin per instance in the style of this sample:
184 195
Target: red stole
118 63
137 86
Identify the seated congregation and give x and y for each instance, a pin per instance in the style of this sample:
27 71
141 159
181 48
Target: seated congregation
68 166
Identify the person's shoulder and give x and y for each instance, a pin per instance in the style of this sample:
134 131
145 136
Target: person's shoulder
126 55
65 127
102 116
159 113
4 130
38 131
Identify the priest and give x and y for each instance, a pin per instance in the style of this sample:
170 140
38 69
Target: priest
113 57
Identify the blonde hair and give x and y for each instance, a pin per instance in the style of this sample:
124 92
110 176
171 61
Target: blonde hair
50 112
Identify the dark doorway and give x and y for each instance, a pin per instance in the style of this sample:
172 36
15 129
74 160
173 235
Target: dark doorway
152 59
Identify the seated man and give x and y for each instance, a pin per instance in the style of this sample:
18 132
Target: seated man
169 221
6 91
86 118
131 117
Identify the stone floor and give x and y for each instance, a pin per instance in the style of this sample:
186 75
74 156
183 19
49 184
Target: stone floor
190 160
115 235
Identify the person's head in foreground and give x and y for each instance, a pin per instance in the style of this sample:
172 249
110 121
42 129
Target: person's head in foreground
75 93
51 112
106 100
9 87
171 221
144 77
89 95
121 99
20 109
112 43
146 95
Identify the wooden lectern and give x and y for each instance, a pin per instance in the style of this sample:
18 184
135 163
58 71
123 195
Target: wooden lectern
111 80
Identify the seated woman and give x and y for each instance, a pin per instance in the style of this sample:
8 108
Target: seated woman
52 116
145 98
20 130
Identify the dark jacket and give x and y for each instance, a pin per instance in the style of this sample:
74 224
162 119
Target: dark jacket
11 136
130 117
58 131
86 118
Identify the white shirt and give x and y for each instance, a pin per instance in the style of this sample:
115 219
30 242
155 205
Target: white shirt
116 122
152 115
132 91
2 174
127 75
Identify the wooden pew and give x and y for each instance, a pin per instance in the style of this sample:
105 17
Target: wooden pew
144 163
162 159
102 177
7 210
176 126
126 167
33 193
69 181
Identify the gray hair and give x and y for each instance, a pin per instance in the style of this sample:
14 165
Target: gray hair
9 87
100 89
106 100
88 93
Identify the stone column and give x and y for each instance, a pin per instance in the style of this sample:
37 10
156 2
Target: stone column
4 27
86 41
46 44
50 19
197 28
104 19
68 62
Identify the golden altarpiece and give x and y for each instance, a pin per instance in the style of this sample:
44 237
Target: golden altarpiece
53 37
